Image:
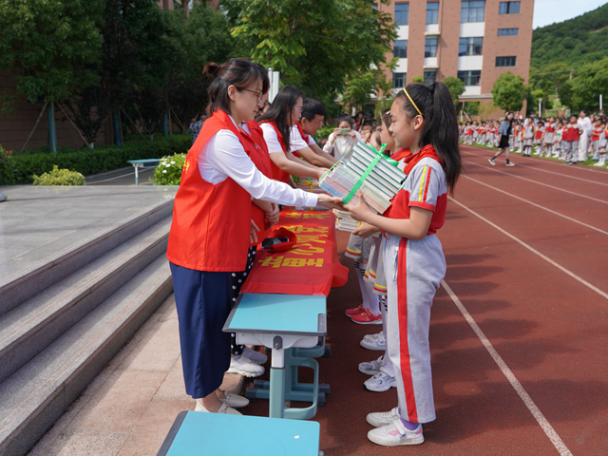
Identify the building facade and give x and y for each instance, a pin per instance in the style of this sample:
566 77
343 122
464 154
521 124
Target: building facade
474 40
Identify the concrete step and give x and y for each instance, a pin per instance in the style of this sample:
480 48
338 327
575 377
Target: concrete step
32 326
34 397
26 286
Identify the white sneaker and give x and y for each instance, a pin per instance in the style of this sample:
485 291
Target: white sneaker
380 382
383 418
371 368
374 342
224 409
257 357
242 365
235 400
395 434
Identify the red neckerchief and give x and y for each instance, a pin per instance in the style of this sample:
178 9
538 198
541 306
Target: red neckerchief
426 151
400 154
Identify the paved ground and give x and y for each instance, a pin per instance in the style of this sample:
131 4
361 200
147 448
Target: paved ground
519 335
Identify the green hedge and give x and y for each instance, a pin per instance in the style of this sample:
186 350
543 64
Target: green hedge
20 168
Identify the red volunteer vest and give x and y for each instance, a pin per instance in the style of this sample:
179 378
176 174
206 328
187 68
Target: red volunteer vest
210 226
278 173
260 157
399 208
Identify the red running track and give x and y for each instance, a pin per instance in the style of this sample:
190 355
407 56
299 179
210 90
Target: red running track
519 349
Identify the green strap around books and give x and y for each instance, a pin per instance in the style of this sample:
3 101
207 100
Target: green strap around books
360 181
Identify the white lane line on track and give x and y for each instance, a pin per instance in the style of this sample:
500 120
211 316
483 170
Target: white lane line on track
545 425
533 250
535 182
549 162
541 170
537 205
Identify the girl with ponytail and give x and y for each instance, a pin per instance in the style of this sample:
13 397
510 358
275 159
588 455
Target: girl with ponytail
212 226
423 121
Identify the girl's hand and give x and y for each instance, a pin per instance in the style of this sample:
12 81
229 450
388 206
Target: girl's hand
328 201
358 208
365 230
321 171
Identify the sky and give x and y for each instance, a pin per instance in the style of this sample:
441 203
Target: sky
550 11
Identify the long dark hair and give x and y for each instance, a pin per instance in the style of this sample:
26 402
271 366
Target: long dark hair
239 72
440 128
281 109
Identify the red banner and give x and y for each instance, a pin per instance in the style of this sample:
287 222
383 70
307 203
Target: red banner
310 267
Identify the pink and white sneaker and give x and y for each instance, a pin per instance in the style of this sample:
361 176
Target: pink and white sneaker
395 434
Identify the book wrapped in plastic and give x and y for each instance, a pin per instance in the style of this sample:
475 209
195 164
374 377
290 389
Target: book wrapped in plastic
368 170
344 221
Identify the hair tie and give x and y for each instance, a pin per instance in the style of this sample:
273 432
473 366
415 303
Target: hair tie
412 102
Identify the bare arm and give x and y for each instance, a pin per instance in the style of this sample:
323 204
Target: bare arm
294 168
316 159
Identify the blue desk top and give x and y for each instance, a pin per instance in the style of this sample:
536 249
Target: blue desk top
279 313
198 433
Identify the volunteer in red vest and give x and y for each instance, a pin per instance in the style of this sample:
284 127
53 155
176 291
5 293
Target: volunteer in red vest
302 143
211 227
276 123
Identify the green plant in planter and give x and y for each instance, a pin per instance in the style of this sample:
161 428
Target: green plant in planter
169 170
59 177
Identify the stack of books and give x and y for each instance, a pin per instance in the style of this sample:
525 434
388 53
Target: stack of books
378 178
344 221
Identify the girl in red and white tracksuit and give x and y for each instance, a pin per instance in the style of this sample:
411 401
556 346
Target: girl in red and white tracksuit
423 120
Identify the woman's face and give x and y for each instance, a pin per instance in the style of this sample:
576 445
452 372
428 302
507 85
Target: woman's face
296 112
404 129
344 125
246 102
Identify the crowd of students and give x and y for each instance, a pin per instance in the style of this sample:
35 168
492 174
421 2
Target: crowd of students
573 139
237 173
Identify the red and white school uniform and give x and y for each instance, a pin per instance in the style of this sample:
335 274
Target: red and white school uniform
413 270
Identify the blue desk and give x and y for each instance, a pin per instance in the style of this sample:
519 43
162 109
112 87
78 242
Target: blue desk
279 322
198 433
140 163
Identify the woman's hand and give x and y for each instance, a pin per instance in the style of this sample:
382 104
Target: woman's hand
328 201
254 229
365 230
321 171
272 215
358 208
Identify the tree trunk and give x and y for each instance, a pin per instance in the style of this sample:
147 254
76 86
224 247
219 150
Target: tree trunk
52 129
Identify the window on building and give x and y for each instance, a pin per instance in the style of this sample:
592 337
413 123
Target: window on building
430 75
469 77
399 79
508 31
431 46
433 9
401 14
472 10
400 49
470 46
511 7
505 61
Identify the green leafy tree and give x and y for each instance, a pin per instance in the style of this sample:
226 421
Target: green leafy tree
315 45
456 87
509 91
52 45
589 82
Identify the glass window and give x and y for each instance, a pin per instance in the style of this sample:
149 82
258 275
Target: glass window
469 77
400 48
430 75
432 12
511 7
398 80
508 31
505 61
470 46
431 46
401 14
472 10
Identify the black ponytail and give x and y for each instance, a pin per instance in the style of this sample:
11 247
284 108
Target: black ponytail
281 109
440 128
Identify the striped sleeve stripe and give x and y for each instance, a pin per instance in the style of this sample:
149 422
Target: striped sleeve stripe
424 183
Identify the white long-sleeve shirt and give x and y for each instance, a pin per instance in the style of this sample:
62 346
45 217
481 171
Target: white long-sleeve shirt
225 157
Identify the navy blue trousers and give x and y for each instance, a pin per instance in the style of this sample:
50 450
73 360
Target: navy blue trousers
203 301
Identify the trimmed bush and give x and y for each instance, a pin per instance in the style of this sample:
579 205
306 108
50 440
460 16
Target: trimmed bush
59 177
20 168
169 170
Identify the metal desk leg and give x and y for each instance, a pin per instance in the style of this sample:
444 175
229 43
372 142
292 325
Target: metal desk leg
277 385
